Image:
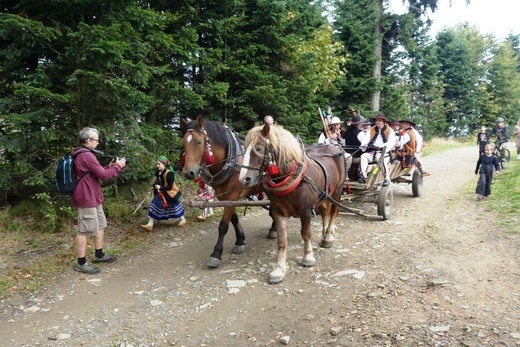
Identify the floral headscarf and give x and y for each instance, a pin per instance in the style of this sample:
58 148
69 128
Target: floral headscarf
166 162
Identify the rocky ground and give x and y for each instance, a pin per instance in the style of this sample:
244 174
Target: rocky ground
440 272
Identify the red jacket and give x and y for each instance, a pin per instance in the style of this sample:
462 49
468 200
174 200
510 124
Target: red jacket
88 192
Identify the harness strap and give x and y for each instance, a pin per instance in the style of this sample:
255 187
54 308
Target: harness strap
292 180
322 194
230 166
295 183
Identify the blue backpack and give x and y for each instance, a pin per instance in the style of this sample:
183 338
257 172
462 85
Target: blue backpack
66 180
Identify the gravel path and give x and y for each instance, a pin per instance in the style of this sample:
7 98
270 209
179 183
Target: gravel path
439 273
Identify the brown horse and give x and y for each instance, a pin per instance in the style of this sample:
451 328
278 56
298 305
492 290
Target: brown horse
214 152
297 181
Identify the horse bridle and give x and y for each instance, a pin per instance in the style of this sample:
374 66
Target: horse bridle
229 167
287 182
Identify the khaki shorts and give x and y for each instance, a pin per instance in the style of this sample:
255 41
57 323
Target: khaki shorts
91 220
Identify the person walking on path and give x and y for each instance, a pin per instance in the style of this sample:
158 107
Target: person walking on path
166 202
517 138
204 193
486 162
482 139
88 198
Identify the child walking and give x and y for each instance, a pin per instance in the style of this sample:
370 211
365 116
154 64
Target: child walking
486 162
166 203
482 139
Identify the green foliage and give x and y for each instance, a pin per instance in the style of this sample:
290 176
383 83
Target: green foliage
505 198
133 69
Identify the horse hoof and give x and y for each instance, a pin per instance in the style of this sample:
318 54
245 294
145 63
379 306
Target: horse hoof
308 262
276 276
214 262
238 249
275 279
326 244
272 234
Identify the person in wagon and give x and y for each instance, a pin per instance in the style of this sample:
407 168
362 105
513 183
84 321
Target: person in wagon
367 124
327 114
353 135
166 202
380 136
269 120
407 143
335 133
419 145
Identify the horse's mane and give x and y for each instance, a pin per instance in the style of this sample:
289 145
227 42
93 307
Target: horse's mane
215 130
285 145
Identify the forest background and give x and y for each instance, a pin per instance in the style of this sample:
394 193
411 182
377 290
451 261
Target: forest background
132 69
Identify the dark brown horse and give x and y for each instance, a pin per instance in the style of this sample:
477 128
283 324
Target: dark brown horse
214 152
296 180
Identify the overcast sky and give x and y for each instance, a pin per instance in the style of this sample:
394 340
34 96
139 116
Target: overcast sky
497 17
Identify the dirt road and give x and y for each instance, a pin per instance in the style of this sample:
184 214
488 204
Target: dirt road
439 273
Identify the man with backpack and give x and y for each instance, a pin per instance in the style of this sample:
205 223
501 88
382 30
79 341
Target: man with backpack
88 198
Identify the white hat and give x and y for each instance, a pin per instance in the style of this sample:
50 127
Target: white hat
335 120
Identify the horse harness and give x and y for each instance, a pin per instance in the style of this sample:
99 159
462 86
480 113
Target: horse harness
297 174
325 193
228 170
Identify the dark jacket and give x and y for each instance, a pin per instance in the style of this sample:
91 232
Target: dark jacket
352 142
485 160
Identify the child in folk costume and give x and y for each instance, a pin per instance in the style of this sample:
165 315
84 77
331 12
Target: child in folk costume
486 162
204 193
166 203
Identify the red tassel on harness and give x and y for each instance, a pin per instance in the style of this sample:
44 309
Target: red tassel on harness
209 158
272 169
183 159
330 189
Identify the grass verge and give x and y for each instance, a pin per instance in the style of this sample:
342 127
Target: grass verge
505 196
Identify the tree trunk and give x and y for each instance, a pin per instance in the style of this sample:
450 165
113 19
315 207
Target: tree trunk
378 52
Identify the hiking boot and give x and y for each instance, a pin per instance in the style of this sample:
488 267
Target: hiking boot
107 258
386 182
86 268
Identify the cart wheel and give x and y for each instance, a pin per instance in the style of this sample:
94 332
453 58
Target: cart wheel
385 200
417 181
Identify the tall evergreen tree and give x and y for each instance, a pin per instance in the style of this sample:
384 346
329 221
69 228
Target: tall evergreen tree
70 64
